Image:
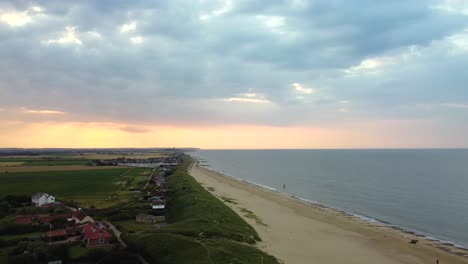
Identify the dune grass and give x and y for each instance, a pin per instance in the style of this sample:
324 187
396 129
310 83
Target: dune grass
194 211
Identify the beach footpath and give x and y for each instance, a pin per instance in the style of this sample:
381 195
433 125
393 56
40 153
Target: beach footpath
296 232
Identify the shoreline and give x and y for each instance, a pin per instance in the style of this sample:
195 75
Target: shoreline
367 219
391 241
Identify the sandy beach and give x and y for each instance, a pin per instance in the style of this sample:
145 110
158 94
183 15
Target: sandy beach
298 232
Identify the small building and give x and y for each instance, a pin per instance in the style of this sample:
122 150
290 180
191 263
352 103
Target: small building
95 235
149 219
158 206
40 199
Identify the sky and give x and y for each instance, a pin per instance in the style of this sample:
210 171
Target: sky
234 74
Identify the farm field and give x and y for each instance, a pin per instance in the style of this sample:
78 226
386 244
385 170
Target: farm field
55 162
42 161
90 186
11 163
56 168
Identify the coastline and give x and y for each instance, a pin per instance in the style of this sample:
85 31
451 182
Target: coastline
295 229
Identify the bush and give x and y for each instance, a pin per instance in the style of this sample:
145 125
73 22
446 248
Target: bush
17 200
13 229
94 254
121 257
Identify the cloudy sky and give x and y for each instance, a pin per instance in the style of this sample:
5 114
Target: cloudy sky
234 74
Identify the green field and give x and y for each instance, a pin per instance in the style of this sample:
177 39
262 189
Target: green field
46 161
55 162
92 187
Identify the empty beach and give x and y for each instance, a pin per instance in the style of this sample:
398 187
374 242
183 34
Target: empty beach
298 232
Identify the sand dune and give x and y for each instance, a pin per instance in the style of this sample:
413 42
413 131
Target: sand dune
296 232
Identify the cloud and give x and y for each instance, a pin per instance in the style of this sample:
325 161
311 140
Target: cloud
246 100
455 105
16 19
299 88
248 97
226 6
37 9
42 111
67 37
125 28
94 34
368 66
136 40
235 62
133 129
452 6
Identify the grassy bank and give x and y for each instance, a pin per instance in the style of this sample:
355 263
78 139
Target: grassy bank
201 229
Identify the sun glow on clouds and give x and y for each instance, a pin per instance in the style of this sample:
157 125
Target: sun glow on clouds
16 19
248 98
68 37
368 66
301 89
42 112
19 19
129 27
95 135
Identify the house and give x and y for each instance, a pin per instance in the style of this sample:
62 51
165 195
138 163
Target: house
95 235
80 217
51 218
157 199
24 219
158 206
40 199
147 218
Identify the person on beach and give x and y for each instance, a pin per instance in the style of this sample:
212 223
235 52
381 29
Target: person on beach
284 186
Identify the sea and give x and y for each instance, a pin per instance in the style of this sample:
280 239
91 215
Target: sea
424 191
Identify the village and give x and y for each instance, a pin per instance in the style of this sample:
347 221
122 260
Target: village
64 224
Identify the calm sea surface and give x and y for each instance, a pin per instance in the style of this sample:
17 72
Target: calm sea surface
419 190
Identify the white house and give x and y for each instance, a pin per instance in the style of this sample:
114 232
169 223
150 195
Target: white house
40 199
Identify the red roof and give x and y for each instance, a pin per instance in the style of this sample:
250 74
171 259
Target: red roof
51 218
92 232
57 233
79 214
24 219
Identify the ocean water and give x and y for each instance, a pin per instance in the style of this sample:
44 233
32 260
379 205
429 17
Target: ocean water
425 191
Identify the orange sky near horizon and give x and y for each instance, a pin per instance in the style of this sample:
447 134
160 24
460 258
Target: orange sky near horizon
385 134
